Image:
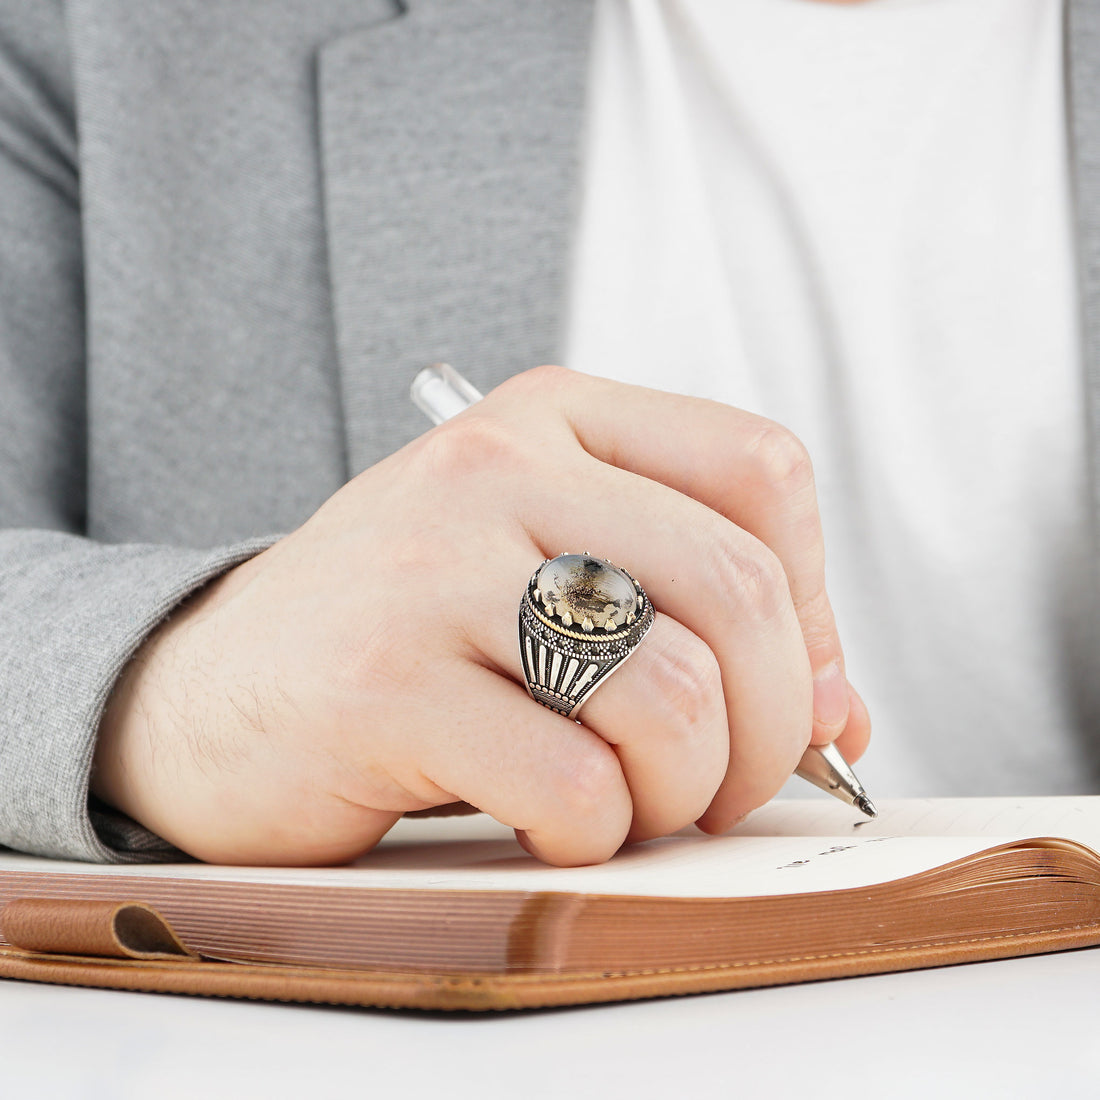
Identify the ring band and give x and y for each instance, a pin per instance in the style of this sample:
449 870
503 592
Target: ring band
579 619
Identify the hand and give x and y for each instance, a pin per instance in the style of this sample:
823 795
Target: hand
368 664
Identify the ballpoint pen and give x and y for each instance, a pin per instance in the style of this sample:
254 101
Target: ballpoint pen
440 392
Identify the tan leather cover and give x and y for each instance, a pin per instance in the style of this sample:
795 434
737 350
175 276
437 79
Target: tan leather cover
187 973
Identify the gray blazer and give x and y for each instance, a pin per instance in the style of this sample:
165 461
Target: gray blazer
229 235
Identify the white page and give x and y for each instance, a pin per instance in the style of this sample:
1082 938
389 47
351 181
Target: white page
790 846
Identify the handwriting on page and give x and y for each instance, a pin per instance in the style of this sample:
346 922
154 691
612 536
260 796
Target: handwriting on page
834 850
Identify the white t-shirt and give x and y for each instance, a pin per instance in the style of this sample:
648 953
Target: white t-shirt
856 220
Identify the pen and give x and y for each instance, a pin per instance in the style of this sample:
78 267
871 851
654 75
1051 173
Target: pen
440 392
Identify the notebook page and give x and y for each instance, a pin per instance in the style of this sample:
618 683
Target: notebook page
793 846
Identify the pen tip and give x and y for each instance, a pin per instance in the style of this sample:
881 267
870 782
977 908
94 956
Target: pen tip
866 805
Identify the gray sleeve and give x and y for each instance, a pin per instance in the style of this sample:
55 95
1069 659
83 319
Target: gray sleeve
71 614
71 611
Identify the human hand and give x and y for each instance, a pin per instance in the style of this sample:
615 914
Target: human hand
367 664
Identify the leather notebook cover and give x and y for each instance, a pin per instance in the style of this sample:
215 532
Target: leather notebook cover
94 944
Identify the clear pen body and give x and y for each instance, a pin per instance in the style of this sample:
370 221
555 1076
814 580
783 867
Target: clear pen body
440 392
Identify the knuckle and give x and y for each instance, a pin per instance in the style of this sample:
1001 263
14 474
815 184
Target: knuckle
818 624
547 378
589 791
781 460
752 579
802 526
687 680
471 446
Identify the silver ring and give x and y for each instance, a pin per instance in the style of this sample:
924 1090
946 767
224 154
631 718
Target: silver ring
579 619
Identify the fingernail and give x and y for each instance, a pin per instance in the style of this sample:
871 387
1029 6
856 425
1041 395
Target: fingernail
830 696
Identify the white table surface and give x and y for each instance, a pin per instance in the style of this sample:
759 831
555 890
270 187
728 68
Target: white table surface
1016 1028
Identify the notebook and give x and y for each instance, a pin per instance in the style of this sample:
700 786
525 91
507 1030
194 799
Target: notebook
450 913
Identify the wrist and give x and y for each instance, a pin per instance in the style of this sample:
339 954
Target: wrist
144 721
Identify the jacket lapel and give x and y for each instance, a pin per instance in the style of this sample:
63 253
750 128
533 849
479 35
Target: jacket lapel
1083 56
1083 99
449 139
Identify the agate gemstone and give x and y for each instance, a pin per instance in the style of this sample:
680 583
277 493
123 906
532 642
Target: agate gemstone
582 590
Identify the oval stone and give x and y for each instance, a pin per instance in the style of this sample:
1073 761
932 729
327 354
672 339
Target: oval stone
577 589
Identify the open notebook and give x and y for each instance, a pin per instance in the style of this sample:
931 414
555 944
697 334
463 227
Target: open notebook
451 913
